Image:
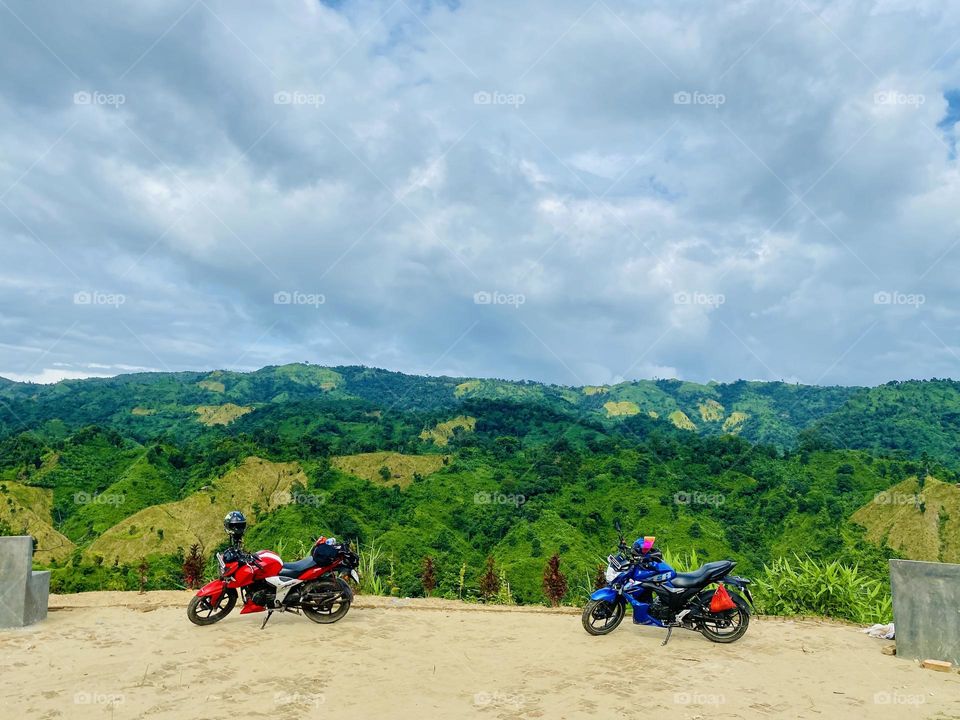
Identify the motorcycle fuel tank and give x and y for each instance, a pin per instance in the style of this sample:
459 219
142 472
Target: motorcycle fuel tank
270 562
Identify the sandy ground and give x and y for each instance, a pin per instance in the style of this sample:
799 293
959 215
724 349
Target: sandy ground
123 655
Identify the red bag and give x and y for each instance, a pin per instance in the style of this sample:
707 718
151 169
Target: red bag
721 600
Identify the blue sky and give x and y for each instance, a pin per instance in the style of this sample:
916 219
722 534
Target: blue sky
562 191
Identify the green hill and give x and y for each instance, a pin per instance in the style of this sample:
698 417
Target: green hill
914 418
109 473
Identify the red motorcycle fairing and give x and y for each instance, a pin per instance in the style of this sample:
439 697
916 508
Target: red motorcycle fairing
251 607
241 575
213 589
317 572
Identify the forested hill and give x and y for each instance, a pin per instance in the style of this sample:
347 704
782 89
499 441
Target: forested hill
916 416
109 474
148 402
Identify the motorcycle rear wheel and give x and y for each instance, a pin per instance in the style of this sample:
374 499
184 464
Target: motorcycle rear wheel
733 623
326 612
201 611
602 616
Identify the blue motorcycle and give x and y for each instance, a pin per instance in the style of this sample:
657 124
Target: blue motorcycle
662 597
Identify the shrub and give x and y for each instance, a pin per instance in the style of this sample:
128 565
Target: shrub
193 566
600 577
554 581
428 578
489 581
804 586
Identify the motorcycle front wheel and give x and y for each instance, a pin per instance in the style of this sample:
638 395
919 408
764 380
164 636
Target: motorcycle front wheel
201 611
602 616
326 600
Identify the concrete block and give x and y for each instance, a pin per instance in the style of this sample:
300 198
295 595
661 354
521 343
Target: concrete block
23 592
926 609
38 592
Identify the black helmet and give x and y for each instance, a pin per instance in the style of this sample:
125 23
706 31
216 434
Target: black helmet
235 523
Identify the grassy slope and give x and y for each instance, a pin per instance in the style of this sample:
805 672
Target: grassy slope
921 524
198 517
441 433
402 467
25 508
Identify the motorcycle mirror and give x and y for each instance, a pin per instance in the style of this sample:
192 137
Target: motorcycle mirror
616 524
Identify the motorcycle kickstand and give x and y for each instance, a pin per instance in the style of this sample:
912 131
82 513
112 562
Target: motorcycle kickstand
667 638
269 613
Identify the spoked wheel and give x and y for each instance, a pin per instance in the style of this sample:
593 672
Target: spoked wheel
202 611
326 600
727 626
602 616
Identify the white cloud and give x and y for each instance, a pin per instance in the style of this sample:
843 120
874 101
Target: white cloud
400 195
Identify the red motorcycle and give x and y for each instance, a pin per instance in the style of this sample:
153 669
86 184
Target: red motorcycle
314 586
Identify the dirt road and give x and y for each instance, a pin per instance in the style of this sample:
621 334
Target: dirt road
120 655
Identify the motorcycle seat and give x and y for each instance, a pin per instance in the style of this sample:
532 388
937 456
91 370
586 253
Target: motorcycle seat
293 569
703 576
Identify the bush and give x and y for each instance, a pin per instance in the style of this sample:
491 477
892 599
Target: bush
804 586
554 581
428 577
489 581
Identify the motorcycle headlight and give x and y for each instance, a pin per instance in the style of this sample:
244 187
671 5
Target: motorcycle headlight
220 562
610 574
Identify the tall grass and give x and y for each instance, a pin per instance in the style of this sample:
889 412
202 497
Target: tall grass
682 562
804 586
371 561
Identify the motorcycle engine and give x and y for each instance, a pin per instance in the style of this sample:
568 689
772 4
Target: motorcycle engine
263 593
659 611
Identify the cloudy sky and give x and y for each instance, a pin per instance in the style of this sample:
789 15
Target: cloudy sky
573 192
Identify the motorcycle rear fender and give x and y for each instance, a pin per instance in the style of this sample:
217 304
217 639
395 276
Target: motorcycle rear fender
606 593
740 583
213 590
